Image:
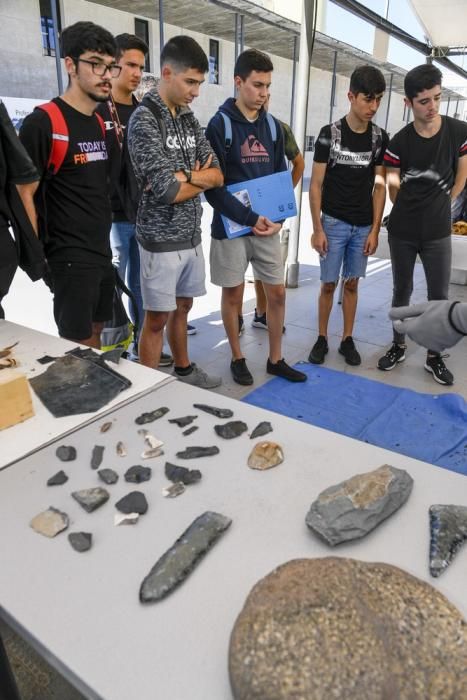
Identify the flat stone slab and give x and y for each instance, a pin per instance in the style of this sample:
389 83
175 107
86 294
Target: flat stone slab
50 522
316 629
351 509
91 499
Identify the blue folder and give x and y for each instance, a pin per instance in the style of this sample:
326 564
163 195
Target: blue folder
270 196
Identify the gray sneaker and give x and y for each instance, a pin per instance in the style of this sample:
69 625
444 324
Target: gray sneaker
199 378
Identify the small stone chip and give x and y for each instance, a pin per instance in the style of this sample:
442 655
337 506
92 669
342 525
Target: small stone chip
97 456
66 453
133 502
108 476
57 479
138 474
80 541
173 490
50 522
91 499
126 518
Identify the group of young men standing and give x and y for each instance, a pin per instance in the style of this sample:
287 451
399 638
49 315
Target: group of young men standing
174 162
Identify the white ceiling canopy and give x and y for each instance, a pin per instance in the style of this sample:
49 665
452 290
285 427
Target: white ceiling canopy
445 23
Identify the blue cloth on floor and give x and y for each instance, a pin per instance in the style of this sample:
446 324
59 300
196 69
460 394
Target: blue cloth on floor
429 427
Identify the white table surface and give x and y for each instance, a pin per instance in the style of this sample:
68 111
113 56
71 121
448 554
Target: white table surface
23 438
82 610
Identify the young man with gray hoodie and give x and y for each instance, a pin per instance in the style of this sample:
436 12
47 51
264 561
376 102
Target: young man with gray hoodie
173 163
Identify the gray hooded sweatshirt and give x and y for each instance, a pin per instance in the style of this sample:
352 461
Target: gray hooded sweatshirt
161 225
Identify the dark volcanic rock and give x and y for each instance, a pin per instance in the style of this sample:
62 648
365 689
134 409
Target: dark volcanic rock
91 499
448 530
261 429
219 412
150 416
57 479
231 430
195 452
81 541
138 474
108 476
97 456
353 508
190 430
180 560
318 629
186 476
66 453
134 502
183 421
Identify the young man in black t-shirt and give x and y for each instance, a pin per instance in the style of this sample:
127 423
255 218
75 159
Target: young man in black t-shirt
78 214
426 169
347 197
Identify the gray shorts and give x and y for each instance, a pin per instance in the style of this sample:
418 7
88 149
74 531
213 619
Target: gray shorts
166 276
229 260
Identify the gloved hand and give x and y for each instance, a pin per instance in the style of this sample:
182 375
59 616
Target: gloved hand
429 324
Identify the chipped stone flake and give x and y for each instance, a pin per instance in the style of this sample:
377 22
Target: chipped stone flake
80 541
151 416
50 522
126 518
230 430
174 490
91 499
265 455
448 533
218 412
121 449
195 452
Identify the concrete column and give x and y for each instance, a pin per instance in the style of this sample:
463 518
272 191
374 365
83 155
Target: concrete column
300 117
294 78
389 101
58 62
161 25
333 87
242 34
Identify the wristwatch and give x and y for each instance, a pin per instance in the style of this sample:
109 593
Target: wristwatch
187 174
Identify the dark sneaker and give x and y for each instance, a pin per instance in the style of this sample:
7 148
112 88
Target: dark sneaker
166 360
240 372
198 377
190 330
319 351
395 354
241 325
260 321
438 369
282 369
350 352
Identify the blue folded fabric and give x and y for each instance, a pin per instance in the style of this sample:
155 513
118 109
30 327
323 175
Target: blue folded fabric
429 427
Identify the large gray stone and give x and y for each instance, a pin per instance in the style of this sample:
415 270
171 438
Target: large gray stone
354 507
316 629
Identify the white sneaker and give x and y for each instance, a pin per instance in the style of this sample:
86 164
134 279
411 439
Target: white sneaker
198 377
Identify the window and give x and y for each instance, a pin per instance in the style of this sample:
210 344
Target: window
47 26
142 32
213 62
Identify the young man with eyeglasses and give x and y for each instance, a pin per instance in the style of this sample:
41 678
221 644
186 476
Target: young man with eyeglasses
73 203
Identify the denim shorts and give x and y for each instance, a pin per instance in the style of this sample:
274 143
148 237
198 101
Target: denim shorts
345 250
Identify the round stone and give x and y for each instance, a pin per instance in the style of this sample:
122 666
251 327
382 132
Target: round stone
340 628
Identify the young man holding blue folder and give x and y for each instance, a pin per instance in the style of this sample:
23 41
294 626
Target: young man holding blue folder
252 151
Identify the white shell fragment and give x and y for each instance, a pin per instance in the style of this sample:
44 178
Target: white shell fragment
121 449
153 452
173 490
126 518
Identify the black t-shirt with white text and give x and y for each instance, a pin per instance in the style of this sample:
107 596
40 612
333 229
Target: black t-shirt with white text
422 209
347 192
114 152
77 197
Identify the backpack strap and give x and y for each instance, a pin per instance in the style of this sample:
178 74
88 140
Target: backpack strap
60 137
336 138
101 123
272 126
227 130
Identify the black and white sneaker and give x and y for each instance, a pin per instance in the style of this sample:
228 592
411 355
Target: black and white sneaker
395 354
438 369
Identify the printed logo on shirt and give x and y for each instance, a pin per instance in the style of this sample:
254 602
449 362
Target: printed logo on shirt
351 158
174 142
90 151
253 151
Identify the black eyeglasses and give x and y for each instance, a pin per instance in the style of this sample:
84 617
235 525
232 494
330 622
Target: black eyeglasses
101 69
